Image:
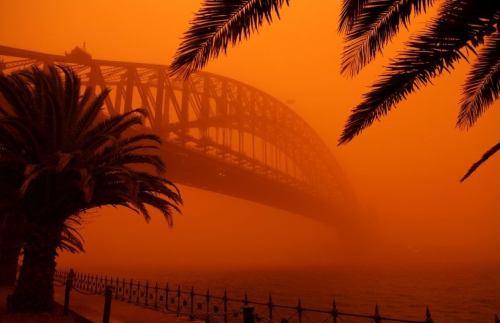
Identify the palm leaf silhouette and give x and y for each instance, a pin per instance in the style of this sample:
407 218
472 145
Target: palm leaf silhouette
372 26
485 157
482 86
460 24
350 11
217 24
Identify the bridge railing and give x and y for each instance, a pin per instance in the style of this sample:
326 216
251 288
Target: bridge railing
215 308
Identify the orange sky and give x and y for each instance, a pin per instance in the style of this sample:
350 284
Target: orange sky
404 170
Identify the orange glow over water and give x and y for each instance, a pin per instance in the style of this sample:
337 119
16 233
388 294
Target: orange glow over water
405 170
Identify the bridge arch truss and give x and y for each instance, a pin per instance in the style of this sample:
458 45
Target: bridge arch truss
221 119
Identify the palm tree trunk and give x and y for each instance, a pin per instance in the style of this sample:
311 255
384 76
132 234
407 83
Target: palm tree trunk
34 291
9 256
11 243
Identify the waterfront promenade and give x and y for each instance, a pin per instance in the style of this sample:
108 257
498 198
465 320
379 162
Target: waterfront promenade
89 309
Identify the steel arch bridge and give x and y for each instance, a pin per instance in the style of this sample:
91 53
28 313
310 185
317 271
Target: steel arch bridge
219 134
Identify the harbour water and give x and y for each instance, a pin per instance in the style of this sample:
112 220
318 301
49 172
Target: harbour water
452 293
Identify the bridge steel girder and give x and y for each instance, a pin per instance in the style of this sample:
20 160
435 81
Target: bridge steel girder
274 150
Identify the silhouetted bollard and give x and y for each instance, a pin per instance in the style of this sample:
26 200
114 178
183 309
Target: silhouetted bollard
207 319
69 285
166 297
248 314
376 317
428 318
299 311
270 305
191 315
156 296
108 294
224 298
335 313
179 301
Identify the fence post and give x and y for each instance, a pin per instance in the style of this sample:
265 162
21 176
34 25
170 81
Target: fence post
335 313
248 314
130 291
138 291
179 301
270 305
376 317
117 288
191 315
146 301
208 306
123 289
108 294
299 311
166 298
156 295
225 305
428 318
69 285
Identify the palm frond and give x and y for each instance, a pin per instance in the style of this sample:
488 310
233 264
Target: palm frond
17 93
128 122
349 13
31 173
129 149
139 137
161 204
217 24
72 99
482 86
152 160
50 89
460 24
485 157
113 125
71 239
88 117
24 134
376 24
10 143
158 185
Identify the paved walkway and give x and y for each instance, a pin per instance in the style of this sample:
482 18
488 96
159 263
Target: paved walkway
91 307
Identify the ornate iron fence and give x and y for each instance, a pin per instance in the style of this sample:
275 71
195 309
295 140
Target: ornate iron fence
218 309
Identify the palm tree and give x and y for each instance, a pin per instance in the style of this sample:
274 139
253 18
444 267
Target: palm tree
72 160
459 27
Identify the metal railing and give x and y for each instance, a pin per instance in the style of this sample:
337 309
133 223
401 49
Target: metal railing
213 308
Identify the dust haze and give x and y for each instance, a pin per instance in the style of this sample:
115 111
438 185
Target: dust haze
404 170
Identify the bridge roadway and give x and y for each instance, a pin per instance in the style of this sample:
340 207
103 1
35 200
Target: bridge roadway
219 134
